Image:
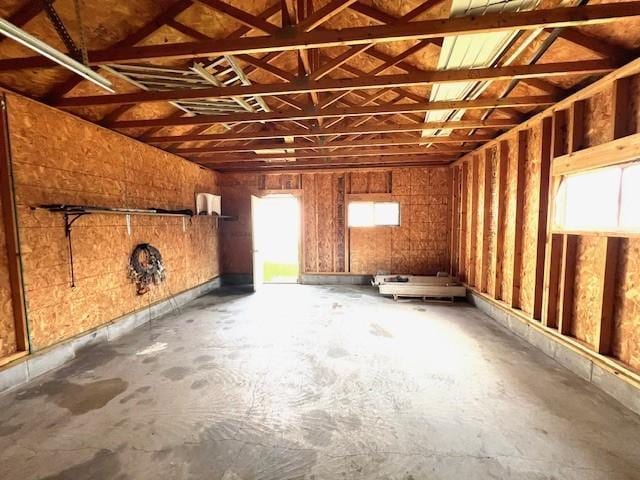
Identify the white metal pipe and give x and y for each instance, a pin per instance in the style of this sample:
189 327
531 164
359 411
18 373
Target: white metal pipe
15 33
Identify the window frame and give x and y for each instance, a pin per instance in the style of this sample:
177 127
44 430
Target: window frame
373 201
559 195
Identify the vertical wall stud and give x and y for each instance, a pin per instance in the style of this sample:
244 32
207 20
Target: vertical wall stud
486 220
554 242
12 239
608 294
453 270
464 199
576 126
552 284
621 115
559 133
518 220
567 282
473 248
503 164
543 208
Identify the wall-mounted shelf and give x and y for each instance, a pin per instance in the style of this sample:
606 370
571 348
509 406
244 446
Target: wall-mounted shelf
73 212
87 209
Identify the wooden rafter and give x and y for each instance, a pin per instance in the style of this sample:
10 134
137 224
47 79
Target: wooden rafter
308 114
150 27
317 145
388 63
361 83
387 127
169 19
491 22
364 162
340 153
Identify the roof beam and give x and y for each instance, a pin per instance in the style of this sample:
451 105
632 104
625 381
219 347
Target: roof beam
287 40
390 63
360 83
313 113
345 130
364 160
375 142
169 13
362 152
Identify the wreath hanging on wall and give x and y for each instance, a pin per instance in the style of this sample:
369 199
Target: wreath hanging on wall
146 267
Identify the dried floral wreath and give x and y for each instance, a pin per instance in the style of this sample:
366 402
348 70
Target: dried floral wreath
146 267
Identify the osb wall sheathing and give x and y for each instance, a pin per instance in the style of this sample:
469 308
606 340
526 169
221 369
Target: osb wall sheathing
587 290
626 337
591 249
7 327
509 220
597 119
60 159
469 232
530 219
493 219
419 245
479 219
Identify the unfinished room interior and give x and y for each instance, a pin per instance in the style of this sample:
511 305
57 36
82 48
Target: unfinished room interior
320 239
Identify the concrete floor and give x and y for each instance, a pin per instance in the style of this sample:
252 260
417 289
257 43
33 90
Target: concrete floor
316 383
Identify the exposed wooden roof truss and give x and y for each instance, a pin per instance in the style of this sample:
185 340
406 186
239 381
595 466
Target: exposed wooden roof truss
325 83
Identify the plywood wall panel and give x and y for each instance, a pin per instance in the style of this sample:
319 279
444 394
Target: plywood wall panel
597 119
585 123
626 333
587 288
401 181
479 218
7 328
469 231
419 245
489 262
340 222
370 250
358 182
530 219
324 221
309 231
86 165
379 181
509 225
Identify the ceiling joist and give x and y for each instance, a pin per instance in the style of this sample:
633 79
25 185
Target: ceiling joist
360 83
313 113
345 130
320 145
290 38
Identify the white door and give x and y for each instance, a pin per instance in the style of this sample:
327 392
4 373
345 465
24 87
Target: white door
258 263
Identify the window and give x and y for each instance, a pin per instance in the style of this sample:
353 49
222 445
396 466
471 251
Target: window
600 200
374 214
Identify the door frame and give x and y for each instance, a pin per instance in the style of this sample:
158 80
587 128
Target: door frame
298 194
